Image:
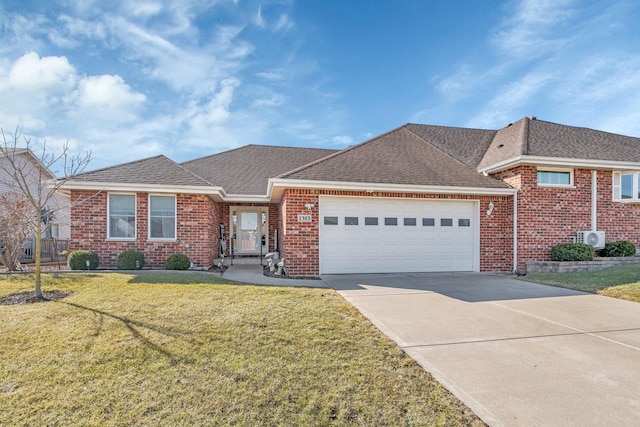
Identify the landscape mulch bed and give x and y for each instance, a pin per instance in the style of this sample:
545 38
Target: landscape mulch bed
29 297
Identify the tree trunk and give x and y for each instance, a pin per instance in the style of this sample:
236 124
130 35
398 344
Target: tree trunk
38 254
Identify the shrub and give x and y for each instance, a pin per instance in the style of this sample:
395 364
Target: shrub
619 248
572 252
78 260
127 260
178 262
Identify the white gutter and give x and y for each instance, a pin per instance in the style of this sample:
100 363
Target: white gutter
389 188
515 231
594 200
146 188
560 162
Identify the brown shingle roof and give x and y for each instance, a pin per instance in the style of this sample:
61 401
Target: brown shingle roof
246 170
465 145
399 157
533 137
154 170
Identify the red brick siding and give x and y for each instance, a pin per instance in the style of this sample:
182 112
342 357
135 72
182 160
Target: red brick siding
197 228
550 216
301 250
619 221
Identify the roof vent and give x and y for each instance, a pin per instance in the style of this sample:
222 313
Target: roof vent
501 145
532 118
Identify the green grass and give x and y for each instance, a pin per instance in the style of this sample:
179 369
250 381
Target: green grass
189 349
617 282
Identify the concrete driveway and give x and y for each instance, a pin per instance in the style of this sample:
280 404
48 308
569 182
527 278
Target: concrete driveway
516 353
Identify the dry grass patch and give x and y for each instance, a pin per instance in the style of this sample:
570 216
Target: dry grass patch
616 282
185 349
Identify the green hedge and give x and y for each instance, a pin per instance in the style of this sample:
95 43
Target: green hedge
78 260
619 248
572 252
178 262
127 260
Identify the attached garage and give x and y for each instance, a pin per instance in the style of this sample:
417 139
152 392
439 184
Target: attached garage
383 235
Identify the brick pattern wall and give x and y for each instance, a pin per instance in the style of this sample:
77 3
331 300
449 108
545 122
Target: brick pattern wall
301 250
619 221
197 230
550 216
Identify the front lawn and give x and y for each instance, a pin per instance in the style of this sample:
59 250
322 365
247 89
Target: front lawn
617 282
188 349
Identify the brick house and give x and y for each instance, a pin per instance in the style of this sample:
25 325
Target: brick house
419 198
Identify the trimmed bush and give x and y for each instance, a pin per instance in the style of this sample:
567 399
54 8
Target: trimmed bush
178 262
619 248
127 260
78 260
572 252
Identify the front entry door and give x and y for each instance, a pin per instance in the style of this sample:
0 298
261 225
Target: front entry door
249 229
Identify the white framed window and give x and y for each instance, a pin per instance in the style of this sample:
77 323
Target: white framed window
552 177
121 221
162 217
626 186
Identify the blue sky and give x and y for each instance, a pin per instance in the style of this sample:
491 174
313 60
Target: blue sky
188 78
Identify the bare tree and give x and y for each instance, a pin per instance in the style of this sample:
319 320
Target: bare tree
16 214
29 173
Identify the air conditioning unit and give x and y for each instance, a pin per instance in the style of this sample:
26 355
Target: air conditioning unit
593 238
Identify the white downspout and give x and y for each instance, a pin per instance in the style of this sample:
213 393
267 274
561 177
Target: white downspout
515 231
594 200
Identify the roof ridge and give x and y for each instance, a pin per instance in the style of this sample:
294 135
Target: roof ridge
184 168
124 164
256 145
335 154
438 148
525 136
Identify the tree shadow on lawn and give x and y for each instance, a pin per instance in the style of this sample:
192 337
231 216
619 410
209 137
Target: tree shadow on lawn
134 327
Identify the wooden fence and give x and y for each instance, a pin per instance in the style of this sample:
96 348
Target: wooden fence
51 250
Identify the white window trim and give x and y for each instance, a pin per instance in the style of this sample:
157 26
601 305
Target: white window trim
616 186
175 224
135 213
545 169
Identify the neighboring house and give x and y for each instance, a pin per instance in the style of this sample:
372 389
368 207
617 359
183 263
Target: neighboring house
416 199
37 174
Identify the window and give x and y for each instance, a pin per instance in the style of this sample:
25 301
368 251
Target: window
371 220
391 221
408 222
122 216
626 186
559 177
330 220
162 217
446 222
428 222
350 220
464 222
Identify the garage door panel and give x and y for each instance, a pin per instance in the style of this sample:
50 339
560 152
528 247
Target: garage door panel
419 241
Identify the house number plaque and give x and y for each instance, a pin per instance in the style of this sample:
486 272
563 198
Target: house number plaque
304 218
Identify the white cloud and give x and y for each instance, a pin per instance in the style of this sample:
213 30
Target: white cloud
501 108
32 73
107 91
535 28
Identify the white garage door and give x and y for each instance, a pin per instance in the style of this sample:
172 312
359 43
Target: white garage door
360 235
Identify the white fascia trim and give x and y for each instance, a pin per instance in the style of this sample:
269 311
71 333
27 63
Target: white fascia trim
144 188
249 198
560 162
389 188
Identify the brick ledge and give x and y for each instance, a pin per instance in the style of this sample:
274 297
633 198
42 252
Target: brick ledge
599 263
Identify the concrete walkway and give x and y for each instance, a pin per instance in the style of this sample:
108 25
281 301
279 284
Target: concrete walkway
516 353
252 273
